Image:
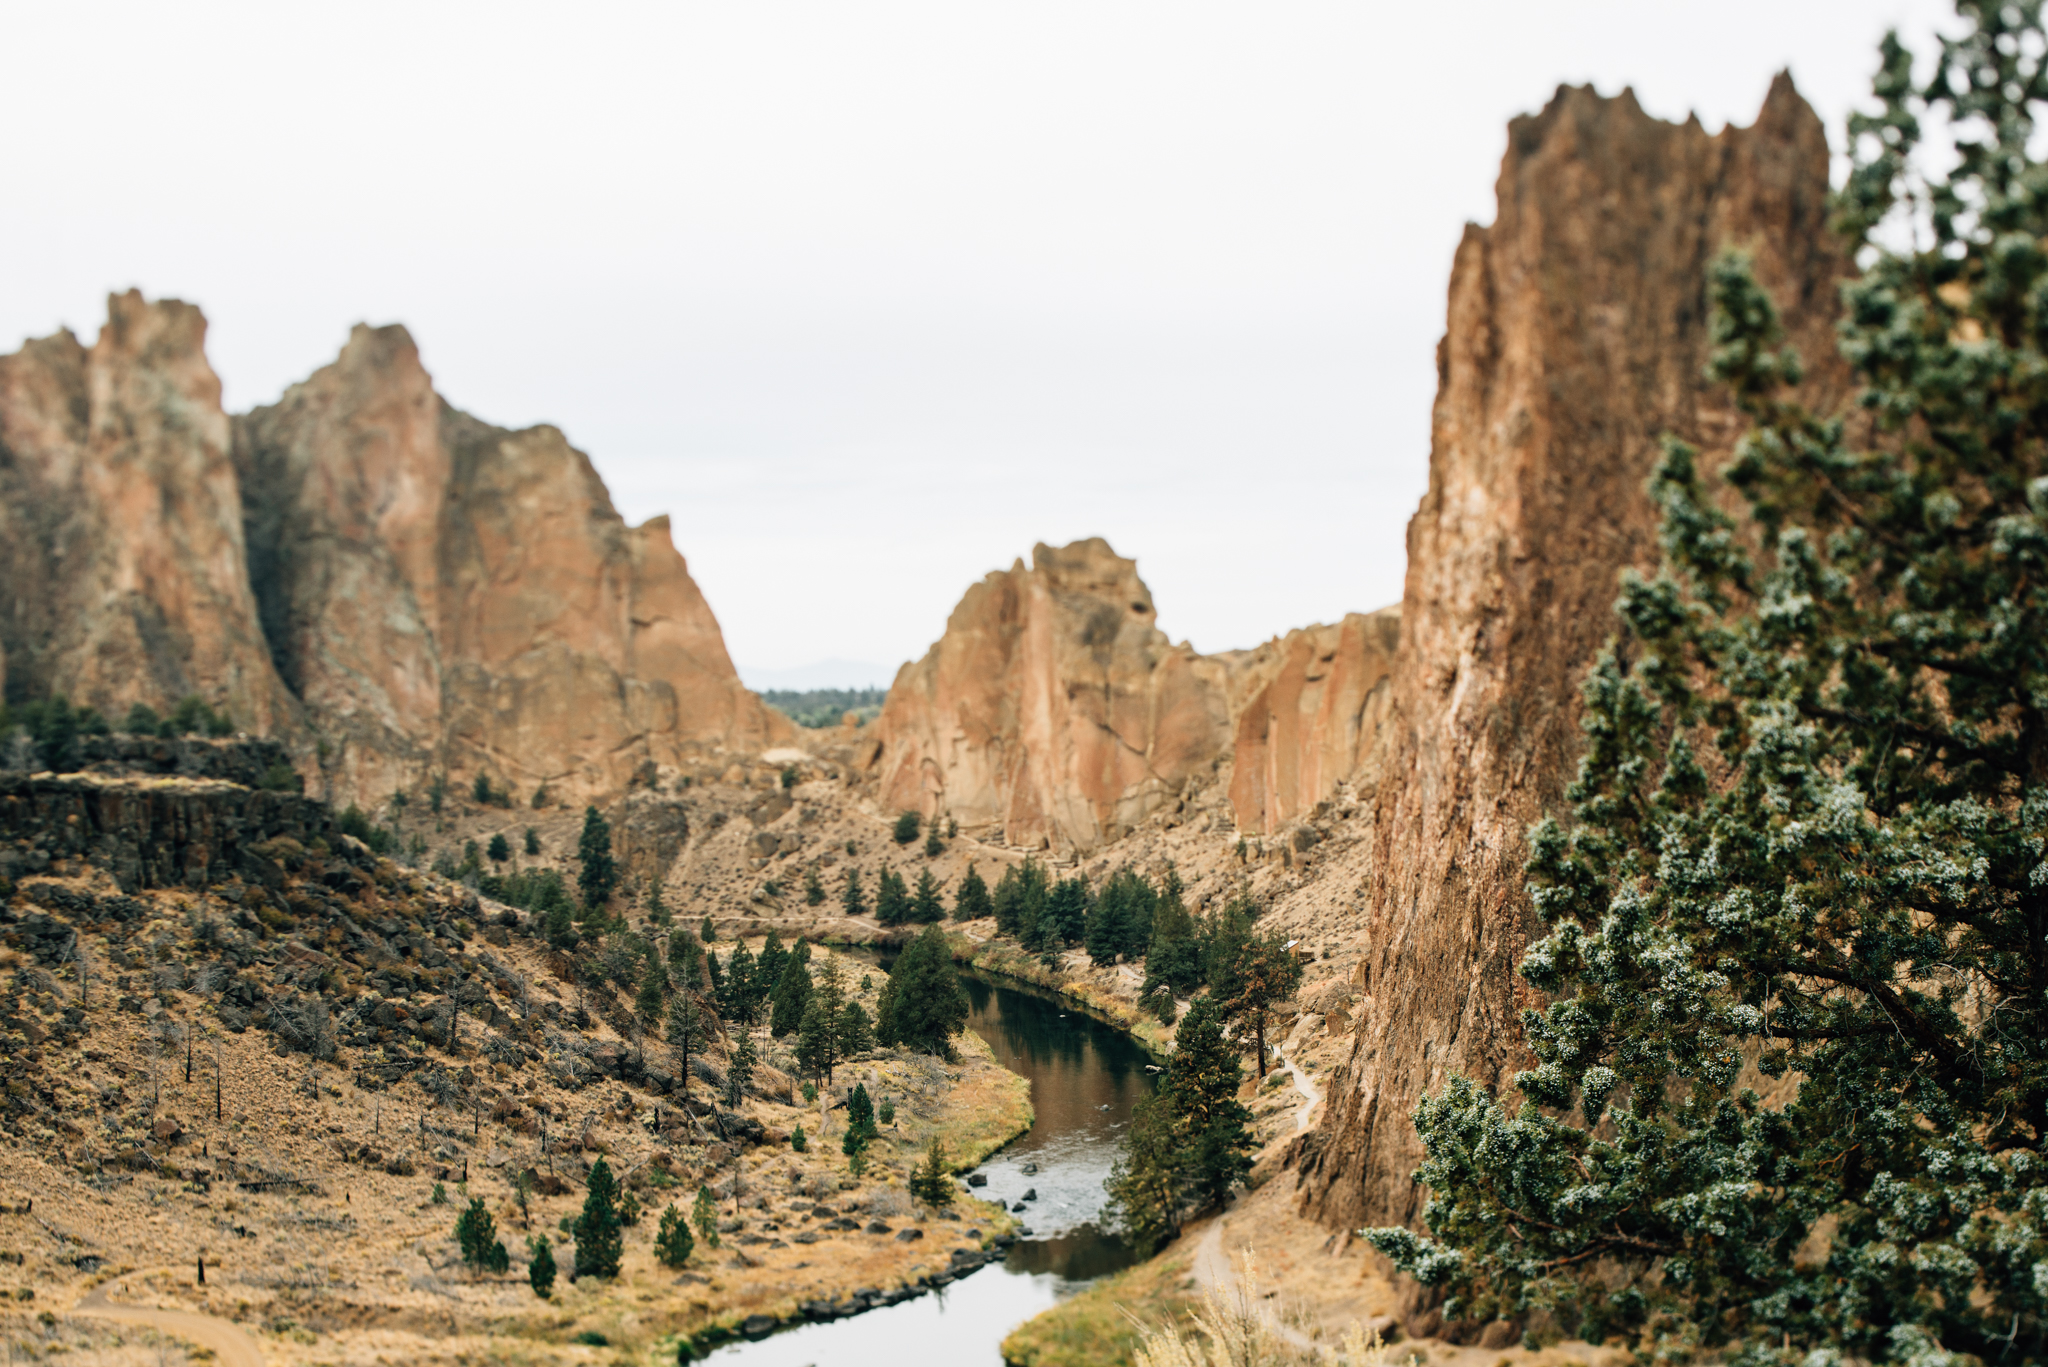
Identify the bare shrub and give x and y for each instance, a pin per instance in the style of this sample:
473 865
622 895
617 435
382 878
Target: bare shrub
301 1020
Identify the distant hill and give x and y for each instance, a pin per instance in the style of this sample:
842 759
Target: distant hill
821 707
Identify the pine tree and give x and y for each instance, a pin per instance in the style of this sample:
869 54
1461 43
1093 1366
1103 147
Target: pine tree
817 1042
685 959
797 1142
599 873
600 1241
651 1000
923 1005
971 902
1201 1085
930 1181
707 932
925 904
1174 957
500 849
672 1242
792 995
861 1129
1066 910
1148 1178
905 829
737 993
1253 971
688 1032
476 1235
774 958
814 888
532 851
851 900
739 1071
540 1266
855 1032
933 845
1109 929
704 1215
892 898
1807 832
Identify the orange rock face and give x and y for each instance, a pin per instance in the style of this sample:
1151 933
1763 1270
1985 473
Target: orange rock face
1052 708
453 595
1318 700
121 524
1577 335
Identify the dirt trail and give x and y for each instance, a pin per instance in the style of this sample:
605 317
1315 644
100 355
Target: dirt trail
1310 1097
231 1347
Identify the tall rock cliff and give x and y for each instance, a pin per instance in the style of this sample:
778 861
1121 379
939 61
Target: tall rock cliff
1576 336
121 548
1052 708
1311 717
450 595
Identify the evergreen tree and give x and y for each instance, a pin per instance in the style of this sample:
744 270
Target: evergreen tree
657 910
739 1072
814 888
1066 911
892 899
599 873
1147 1181
685 960
737 993
688 1033
651 1001
861 1129
792 995
933 845
925 905
557 921
905 829
774 958
856 1033
532 851
716 975
1174 957
540 1266
930 1181
817 1042
971 902
707 932
500 849
600 1241
672 1242
476 1235
1254 973
798 1143
923 1005
1119 925
1200 1087
1807 832
704 1215
851 900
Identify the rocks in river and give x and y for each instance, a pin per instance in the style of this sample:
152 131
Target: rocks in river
1029 1169
758 1326
1031 1194
977 1179
1019 1206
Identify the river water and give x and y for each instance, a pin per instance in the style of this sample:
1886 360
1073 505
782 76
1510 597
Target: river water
1085 1077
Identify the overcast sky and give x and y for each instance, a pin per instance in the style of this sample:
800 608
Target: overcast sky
868 296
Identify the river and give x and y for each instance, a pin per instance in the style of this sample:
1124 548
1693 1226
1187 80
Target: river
1085 1077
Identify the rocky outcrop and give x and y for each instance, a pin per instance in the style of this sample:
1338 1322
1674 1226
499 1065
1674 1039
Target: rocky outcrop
121 524
449 595
1317 701
1053 708
1577 334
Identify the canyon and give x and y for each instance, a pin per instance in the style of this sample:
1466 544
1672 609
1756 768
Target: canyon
400 595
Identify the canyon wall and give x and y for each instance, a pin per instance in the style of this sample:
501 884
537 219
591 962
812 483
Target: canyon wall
391 587
1312 718
1577 333
121 524
1052 709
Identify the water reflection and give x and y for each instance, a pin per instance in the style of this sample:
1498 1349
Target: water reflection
1085 1077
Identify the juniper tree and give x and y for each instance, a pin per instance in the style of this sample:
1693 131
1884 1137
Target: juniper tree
476 1235
1066 911
814 888
499 850
817 1042
925 904
855 1033
704 1215
923 1005
540 1266
892 898
851 899
600 1242
688 1032
1808 829
672 1242
1253 971
905 829
1019 900
1201 1085
739 1071
861 1130
599 873
931 1182
792 993
651 1000
1174 957
971 902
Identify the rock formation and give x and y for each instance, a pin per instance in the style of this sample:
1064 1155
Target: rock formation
121 524
388 585
1576 336
1313 717
1052 708
444 593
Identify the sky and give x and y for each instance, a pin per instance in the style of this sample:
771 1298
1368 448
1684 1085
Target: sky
869 297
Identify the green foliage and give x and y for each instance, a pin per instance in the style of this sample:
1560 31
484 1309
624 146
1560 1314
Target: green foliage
925 904
818 708
892 898
688 1032
933 845
280 777
499 850
906 827
923 1005
672 1242
600 872
1808 830
353 822
1119 925
600 1242
814 888
790 777
739 1071
532 842
53 726
1020 900
856 1033
704 1215
685 959
142 720
793 989
1066 911
1249 972
437 793
971 902
798 1141
1174 958
1188 1144
476 1234
886 1112
851 900
629 1209
817 1043
741 992
930 1181
540 1266
860 1122
707 932
439 1197
651 1001
486 796
1146 1196
192 717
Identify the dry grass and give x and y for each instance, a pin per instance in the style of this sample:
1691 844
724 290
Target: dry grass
1094 1328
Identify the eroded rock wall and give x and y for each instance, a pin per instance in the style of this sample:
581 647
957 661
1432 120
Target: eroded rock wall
1053 708
1576 336
121 524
